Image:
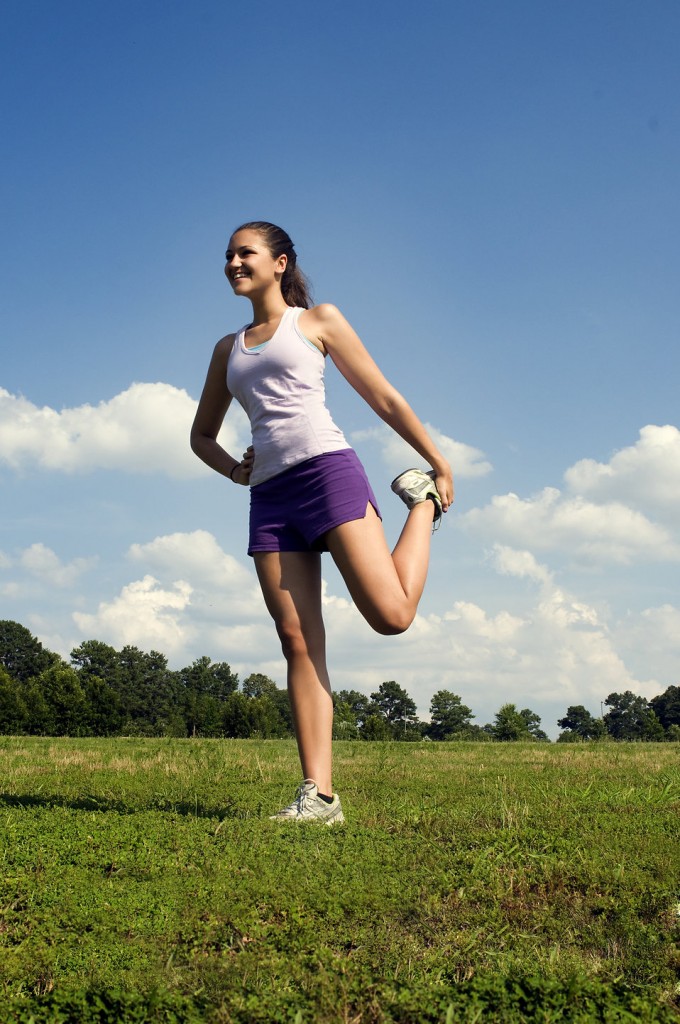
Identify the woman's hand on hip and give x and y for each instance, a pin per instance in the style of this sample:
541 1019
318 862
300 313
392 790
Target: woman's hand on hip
241 475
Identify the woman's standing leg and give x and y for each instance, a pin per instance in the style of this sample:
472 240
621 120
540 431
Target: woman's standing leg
291 585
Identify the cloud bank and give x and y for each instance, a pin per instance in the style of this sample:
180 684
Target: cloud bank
514 630
558 650
647 474
144 429
621 512
467 461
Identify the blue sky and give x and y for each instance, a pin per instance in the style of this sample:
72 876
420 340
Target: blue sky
489 193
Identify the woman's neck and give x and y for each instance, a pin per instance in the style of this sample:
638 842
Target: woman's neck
268 308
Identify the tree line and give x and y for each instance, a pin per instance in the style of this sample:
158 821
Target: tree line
105 692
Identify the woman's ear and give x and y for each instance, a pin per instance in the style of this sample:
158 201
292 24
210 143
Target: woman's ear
281 263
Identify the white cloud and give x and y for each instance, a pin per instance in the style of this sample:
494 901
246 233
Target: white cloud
647 474
222 587
144 615
650 640
522 564
556 651
198 601
472 621
398 455
559 650
41 562
197 553
548 521
144 429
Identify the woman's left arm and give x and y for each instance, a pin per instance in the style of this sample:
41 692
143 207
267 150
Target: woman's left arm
327 325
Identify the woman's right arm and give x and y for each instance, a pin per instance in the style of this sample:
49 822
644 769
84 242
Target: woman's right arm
212 408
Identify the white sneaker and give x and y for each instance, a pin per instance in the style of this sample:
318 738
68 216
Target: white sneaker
414 486
308 806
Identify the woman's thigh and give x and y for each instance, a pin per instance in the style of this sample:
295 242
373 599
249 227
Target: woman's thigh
360 551
291 586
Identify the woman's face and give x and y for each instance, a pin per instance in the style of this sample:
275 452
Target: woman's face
249 264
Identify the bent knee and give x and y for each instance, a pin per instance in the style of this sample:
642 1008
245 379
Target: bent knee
391 622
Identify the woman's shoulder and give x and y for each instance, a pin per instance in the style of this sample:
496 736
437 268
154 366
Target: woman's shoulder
224 346
322 318
324 312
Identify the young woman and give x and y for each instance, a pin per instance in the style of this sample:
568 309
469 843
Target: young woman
308 490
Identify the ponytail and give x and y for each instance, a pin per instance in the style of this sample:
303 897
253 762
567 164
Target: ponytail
295 287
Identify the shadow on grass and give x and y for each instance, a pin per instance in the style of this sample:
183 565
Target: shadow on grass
196 809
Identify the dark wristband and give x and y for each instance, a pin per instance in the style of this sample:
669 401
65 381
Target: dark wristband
233 470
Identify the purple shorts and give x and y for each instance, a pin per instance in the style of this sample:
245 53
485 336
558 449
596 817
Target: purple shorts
295 509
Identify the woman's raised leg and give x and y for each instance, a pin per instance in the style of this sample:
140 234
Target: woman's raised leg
386 587
291 585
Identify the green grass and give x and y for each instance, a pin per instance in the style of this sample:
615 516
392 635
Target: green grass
140 880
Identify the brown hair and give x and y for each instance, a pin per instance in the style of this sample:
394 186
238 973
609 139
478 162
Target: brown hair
294 285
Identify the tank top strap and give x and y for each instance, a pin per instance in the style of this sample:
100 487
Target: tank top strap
238 339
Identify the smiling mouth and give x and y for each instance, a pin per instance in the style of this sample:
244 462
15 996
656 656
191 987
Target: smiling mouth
239 276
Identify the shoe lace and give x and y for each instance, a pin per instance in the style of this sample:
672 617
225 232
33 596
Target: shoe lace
303 795
438 514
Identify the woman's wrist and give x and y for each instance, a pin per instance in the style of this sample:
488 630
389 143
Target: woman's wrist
237 465
440 464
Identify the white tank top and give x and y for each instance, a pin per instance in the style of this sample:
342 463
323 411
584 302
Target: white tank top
280 385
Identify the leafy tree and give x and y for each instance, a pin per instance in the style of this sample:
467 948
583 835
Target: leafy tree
358 703
266 721
103 711
511 724
449 717
478 733
258 685
204 687
94 658
631 718
666 707
345 726
150 693
12 707
176 726
208 712
213 678
61 689
281 701
39 714
393 703
581 723
534 724
222 680
146 697
237 720
21 654
376 728
413 732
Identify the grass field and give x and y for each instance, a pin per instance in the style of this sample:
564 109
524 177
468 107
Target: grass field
142 881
